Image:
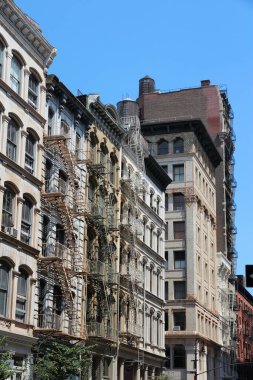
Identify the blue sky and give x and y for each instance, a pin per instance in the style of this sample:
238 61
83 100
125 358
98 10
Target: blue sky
106 46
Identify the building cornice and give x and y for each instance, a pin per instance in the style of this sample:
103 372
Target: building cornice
23 28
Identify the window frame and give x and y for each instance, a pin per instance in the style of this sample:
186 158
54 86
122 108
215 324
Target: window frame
16 77
179 357
33 91
4 290
179 319
26 223
178 173
162 147
178 202
22 296
179 233
30 153
179 294
7 210
12 140
180 262
178 148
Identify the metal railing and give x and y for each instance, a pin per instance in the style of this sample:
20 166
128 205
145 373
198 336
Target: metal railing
50 320
103 330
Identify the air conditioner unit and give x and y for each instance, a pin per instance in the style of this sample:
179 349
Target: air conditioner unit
11 231
176 328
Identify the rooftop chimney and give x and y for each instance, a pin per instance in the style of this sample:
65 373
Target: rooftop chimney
205 83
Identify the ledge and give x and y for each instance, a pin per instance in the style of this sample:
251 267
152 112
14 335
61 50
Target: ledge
26 106
21 171
19 244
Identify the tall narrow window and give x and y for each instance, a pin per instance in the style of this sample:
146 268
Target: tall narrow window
57 307
78 147
179 259
178 145
8 208
179 290
167 231
166 290
4 285
12 140
166 260
1 58
179 356
178 173
179 230
151 279
162 147
15 74
50 121
112 170
178 202
179 320
166 321
26 222
64 130
21 296
166 202
33 90
30 153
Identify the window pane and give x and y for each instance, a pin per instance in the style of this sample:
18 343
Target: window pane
33 90
178 173
12 135
1 58
7 213
179 320
178 202
178 146
179 259
179 290
179 356
4 280
162 147
179 230
15 74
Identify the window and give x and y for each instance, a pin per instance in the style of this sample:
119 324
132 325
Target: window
15 75
151 279
8 208
179 320
21 296
165 168
144 230
106 368
179 356
179 230
64 130
4 285
179 290
167 231
26 222
1 58
178 173
166 260
166 321
166 202
33 90
179 259
178 145
50 121
30 153
166 290
12 140
178 202
112 170
162 147
167 353
151 236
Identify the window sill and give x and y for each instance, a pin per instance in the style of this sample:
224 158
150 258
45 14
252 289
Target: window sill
27 107
21 171
19 244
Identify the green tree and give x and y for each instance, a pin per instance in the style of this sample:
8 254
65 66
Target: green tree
57 359
5 370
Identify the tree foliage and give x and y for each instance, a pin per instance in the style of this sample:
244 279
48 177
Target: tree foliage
57 359
5 370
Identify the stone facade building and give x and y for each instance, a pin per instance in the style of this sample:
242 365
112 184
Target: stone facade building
24 58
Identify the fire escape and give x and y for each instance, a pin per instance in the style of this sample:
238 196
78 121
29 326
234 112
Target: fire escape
101 275
230 182
131 278
63 262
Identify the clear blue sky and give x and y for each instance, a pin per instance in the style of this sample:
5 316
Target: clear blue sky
106 46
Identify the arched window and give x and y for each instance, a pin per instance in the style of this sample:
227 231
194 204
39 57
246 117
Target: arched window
178 145
162 147
30 152
21 302
33 91
179 356
26 221
8 208
15 75
4 287
12 140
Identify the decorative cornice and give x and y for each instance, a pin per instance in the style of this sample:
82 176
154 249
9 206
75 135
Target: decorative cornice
23 28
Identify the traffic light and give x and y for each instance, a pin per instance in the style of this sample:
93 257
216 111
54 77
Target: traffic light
249 276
